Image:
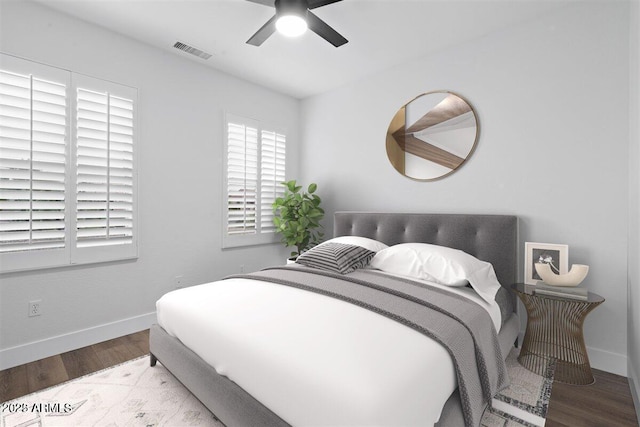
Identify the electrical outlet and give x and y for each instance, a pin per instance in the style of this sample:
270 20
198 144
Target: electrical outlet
178 282
35 308
241 268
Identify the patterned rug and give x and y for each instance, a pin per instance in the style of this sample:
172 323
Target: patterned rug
525 402
133 394
130 394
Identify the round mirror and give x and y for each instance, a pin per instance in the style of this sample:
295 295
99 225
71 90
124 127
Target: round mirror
432 136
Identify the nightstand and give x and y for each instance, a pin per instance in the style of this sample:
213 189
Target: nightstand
554 333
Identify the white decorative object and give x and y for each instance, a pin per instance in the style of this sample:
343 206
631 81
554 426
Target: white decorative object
573 278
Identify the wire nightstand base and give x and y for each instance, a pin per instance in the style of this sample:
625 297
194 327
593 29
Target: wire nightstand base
554 334
564 372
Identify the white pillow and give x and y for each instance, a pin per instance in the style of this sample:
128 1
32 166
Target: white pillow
439 264
365 242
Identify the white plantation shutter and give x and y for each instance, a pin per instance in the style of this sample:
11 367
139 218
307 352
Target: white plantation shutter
242 179
105 175
33 163
121 170
272 174
67 170
254 169
104 153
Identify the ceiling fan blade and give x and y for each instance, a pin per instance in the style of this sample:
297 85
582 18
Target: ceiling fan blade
319 3
321 28
264 2
263 33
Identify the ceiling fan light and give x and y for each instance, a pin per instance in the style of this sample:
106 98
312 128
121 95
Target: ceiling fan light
291 25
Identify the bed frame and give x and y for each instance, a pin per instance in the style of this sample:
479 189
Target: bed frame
491 238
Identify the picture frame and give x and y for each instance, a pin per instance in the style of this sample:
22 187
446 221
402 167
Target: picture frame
554 254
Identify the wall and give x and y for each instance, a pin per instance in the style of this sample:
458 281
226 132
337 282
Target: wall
634 211
180 186
552 100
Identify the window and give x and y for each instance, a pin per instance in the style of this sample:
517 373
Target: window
255 160
104 144
67 175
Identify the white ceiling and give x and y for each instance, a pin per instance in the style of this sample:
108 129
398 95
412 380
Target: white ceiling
381 34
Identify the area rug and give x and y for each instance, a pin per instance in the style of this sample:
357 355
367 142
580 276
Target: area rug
525 402
130 394
134 394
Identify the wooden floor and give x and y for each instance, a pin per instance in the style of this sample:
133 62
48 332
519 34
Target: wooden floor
607 403
38 375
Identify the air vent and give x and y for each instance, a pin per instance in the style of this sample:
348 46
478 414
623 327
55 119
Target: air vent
192 50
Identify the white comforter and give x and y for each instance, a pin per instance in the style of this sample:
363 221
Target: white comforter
311 359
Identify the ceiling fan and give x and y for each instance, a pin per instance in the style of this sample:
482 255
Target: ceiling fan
292 18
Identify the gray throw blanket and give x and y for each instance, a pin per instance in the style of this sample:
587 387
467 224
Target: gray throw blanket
462 327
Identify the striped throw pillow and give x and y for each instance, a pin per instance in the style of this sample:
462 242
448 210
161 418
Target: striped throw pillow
337 257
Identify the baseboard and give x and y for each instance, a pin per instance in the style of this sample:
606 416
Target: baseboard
607 361
600 359
37 350
634 385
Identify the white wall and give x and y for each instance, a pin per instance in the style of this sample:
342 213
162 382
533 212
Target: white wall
552 100
634 211
180 183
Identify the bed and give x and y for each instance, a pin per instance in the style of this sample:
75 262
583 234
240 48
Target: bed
491 238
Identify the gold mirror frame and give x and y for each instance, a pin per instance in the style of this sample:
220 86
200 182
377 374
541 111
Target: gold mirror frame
432 136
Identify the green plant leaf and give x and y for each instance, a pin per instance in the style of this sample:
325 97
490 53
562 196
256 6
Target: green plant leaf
297 216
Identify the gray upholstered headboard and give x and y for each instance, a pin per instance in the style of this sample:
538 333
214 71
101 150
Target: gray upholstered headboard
491 238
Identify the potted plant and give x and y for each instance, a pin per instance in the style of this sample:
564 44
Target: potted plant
297 217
